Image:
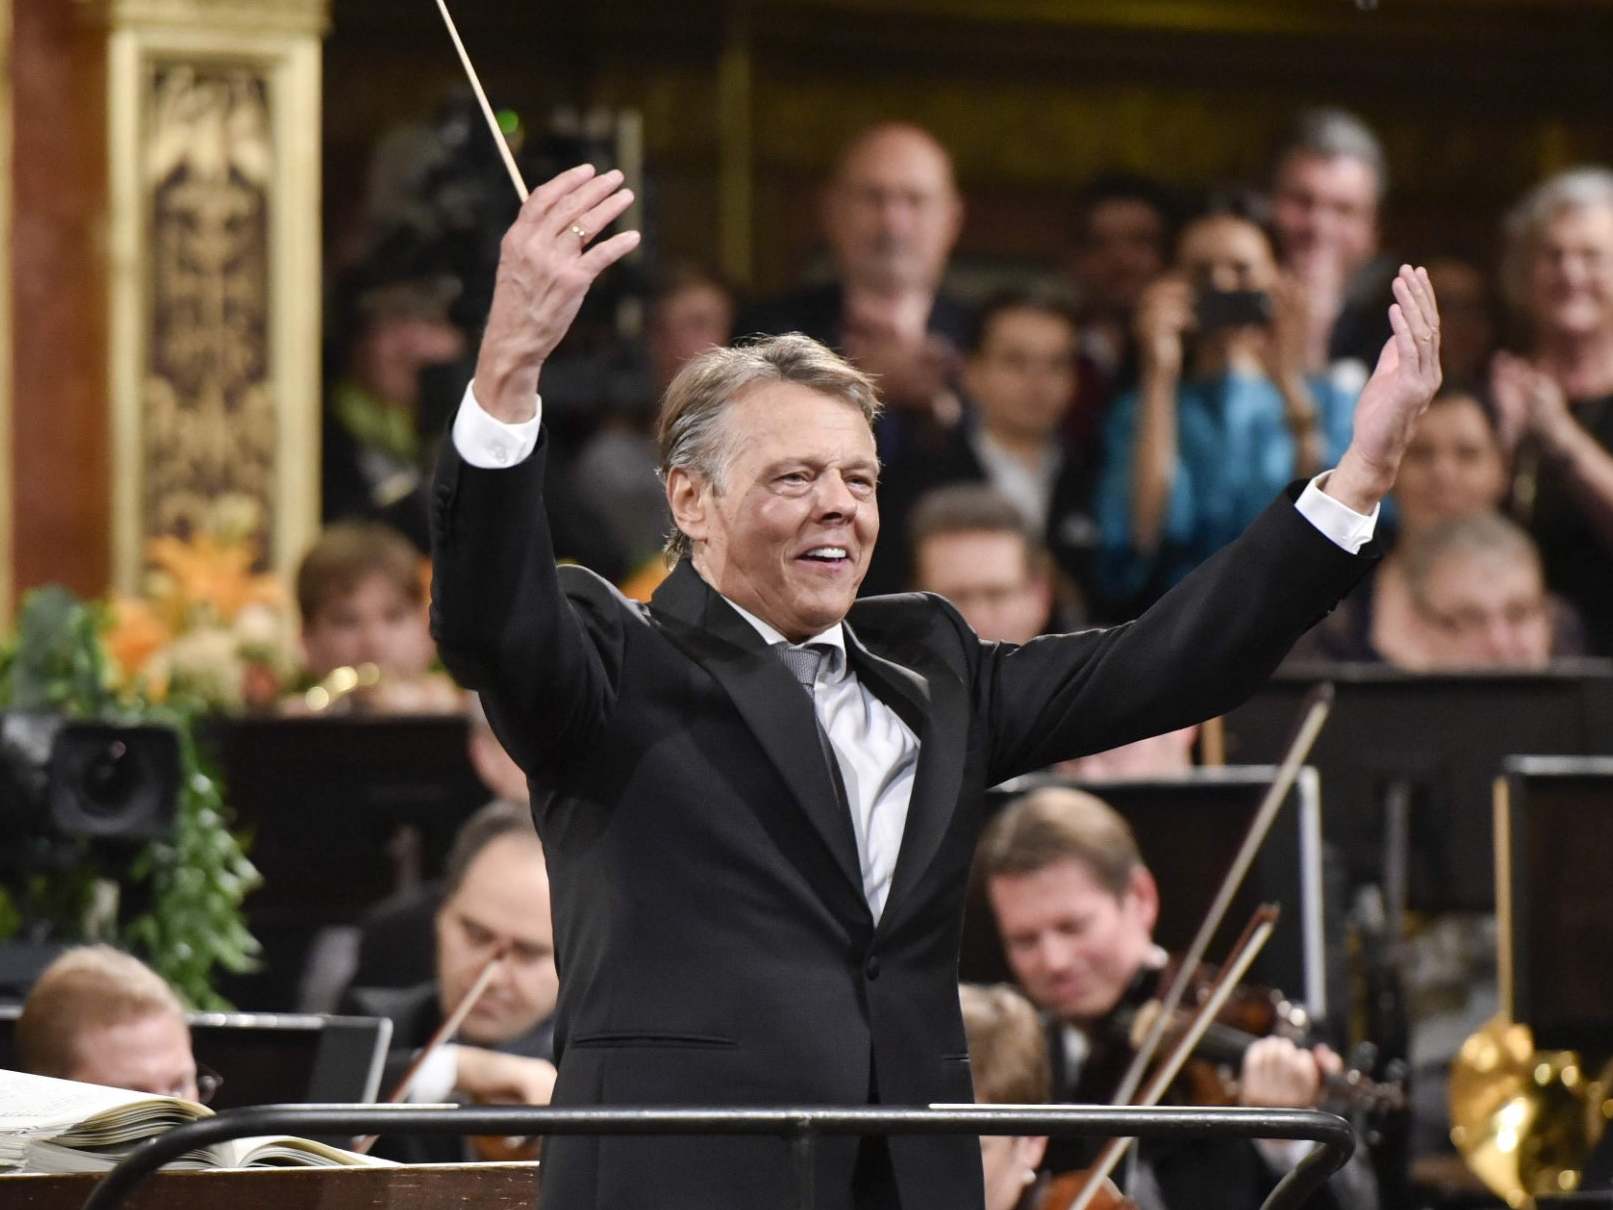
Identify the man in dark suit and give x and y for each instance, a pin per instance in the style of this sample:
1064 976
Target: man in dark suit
1020 378
759 799
891 215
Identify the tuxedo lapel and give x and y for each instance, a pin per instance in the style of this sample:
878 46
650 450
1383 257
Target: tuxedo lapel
768 698
936 709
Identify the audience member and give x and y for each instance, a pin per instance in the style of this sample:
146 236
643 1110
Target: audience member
1329 179
1224 415
1123 230
690 310
1008 1061
1558 276
891 215
973 547
1467 318
373 448
1454 468
1020 378
495 907
1477 584
361 594
100 1016
1076 909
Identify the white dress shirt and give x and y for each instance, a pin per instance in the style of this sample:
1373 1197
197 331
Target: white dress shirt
876 751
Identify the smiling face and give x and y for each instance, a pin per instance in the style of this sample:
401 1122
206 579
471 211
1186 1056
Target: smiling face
1073 944
1570 286
788 531
1326 207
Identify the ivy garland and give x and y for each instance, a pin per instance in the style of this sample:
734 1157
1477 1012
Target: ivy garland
192 882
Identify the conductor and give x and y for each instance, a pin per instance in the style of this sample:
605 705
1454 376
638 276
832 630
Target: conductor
759 796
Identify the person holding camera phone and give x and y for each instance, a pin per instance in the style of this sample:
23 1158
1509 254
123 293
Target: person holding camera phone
1224 413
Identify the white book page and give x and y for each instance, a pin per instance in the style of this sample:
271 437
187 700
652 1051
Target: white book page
39 1105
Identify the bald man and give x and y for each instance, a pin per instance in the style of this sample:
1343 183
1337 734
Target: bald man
891 215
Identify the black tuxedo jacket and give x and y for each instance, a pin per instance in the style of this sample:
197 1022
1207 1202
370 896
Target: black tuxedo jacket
712 937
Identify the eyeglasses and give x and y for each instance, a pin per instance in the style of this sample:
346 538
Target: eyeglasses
208 1082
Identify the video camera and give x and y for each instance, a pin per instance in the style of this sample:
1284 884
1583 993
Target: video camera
63 781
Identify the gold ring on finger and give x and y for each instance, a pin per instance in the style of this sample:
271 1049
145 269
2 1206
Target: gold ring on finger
579 232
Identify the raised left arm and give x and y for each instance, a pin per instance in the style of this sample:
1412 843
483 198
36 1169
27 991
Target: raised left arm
1395 396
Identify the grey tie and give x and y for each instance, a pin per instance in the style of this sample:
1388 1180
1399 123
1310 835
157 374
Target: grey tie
803 662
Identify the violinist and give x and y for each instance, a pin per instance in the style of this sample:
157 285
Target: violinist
495 909
1076 909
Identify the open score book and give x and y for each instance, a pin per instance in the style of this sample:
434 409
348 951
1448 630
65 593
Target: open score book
51 1125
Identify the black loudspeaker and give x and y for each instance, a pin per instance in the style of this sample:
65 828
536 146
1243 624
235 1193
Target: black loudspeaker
64 779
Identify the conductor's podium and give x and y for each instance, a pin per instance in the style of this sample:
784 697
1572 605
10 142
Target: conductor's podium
401 1187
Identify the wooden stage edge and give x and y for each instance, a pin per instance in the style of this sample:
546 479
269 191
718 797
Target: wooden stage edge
404 1187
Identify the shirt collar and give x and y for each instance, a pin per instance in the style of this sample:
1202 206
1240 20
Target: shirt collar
833 638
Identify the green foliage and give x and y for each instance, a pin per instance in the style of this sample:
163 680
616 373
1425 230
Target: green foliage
194 880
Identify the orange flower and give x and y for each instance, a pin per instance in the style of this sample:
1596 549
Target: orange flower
136 634
214 574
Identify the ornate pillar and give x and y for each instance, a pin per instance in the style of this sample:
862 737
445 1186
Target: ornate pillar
213 136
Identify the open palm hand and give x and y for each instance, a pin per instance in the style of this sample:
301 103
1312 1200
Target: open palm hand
1405 380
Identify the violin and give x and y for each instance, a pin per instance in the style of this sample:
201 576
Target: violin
1252 1012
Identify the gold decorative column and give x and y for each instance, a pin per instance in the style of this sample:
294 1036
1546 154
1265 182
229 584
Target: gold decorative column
213 113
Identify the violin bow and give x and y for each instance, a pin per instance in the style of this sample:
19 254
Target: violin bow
1318 704
1254 939
487 110
444 1031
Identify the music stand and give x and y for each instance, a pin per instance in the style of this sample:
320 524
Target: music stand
1407 762
338 810
1188 829
1553 838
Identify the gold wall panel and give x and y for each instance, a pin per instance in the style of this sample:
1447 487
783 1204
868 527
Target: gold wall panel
215 281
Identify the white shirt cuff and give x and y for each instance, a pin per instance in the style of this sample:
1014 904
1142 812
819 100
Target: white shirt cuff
1343 526
434 1082
485 441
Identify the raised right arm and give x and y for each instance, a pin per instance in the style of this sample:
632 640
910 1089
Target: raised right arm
504 626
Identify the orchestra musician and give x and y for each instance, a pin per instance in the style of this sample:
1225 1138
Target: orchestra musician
759 796
1076 908
494 910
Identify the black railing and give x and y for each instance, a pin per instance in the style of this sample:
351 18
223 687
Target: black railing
800 1127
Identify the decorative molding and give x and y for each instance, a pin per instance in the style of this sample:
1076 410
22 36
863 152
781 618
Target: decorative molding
310 17
214 325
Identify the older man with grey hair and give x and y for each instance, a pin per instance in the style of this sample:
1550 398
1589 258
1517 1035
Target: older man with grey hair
759 796
1329 178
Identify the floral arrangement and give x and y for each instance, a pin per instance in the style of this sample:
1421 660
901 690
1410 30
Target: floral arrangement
206 629
207 634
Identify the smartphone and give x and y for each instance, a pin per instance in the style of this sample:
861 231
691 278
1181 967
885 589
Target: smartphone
1216 309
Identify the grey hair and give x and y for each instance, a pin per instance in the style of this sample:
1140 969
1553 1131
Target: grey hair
1330 133
692 435
1584 188
1483 534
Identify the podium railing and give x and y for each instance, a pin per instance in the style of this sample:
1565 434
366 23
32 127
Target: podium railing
801 1127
